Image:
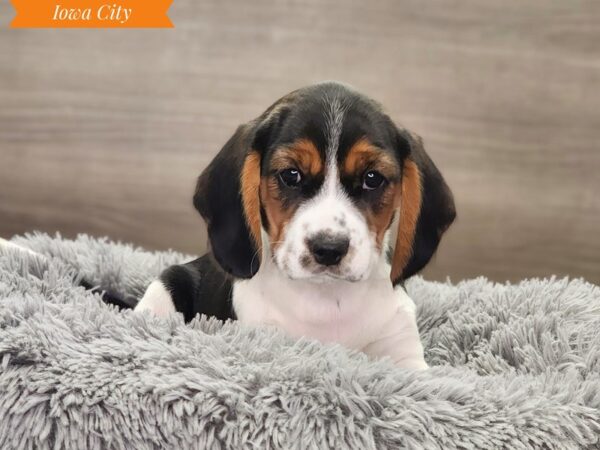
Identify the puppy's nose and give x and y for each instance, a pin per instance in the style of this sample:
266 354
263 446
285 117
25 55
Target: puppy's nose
328 249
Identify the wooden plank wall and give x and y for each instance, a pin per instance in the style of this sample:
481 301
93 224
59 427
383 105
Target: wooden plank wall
104 131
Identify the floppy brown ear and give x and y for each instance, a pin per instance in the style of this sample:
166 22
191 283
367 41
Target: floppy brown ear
426 211
227 198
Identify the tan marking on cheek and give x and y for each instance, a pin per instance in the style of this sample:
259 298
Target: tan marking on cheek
363 155
249 184
302 154
379 222
277 216
410 209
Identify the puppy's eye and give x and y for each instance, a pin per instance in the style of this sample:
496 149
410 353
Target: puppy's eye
290 177
373 180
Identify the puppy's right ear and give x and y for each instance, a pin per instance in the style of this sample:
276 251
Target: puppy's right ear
227 198
227 193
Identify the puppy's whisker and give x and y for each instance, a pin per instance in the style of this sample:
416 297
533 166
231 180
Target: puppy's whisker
254 256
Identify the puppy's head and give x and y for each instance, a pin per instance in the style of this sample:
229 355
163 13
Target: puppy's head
315 183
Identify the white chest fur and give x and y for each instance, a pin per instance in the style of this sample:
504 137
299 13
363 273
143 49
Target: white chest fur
370 315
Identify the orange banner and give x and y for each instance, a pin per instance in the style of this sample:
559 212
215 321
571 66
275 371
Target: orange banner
91 14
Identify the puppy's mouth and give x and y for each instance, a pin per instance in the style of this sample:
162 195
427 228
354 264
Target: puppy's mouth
324 274
326 277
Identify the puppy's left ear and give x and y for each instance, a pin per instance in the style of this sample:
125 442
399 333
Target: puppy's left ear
227 198
426 210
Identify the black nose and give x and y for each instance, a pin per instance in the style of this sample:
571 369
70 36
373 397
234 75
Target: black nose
328 249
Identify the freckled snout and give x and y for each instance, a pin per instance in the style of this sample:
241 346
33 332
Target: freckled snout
328 249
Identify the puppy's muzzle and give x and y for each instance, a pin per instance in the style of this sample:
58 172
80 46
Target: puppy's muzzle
328 249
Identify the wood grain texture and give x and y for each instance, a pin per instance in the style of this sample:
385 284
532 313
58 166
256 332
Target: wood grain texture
105 131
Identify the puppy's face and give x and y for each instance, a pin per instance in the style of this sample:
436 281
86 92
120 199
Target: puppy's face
315 183
330 184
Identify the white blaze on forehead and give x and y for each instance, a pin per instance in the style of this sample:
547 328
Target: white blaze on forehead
334 121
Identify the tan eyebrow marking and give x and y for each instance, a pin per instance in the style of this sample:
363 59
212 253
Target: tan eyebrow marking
303 154
363 154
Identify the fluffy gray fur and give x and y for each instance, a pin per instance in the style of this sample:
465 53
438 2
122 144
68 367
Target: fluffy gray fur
513 366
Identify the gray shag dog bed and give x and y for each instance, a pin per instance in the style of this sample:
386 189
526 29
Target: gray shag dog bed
513 367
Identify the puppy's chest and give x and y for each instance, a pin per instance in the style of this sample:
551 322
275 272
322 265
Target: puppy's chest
352 314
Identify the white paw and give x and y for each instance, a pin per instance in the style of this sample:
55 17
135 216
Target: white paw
157 300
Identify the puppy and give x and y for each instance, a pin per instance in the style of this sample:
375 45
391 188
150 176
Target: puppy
317 211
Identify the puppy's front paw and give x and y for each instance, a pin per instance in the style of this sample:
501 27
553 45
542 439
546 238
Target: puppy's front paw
157 300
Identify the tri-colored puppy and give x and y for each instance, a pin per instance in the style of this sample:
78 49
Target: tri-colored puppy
317 211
